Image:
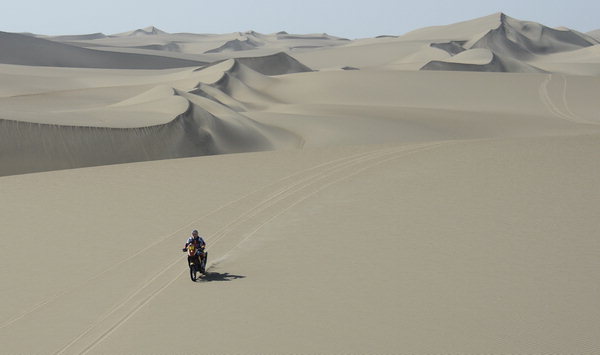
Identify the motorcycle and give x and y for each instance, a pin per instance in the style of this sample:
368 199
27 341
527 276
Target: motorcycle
196 262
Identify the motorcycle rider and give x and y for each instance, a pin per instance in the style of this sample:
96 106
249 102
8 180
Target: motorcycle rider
196 239
195 247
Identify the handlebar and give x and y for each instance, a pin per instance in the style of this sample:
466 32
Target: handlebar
201 248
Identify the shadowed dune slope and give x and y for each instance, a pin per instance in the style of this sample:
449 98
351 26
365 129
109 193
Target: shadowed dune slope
205 128
99 126
481 60
236 45
513 43
523 39
276 64
27 50
240 83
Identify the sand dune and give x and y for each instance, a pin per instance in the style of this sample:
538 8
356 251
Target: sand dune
583 62
451 47
523 39
26 50
482 60
276 64
147 31
236 45
171 47
122 131
239 83
516 45
462 31
432 192
90 127
87 37
203 47
41 147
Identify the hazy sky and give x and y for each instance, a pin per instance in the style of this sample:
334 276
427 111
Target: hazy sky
346 18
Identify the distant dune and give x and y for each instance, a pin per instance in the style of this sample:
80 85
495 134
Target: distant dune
26 50
522 39
236 45
147 31
595 34
511 42
214 108
66 38
276 64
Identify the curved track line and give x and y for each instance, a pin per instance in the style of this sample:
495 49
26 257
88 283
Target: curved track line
410 152
300 185
564 98
153 294
550 105
340 161
178 259
130 314
278 196
566 104
114 309
57 295
114 266
547 101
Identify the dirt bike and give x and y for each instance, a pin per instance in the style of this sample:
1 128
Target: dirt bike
196 266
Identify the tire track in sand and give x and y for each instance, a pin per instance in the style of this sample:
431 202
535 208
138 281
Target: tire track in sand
550 104
161 240
282 190
160 244
324 186
285 188
280 201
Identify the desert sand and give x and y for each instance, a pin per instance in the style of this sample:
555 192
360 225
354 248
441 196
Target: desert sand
432 192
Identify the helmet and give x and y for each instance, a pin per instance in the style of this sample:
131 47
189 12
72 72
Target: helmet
194 232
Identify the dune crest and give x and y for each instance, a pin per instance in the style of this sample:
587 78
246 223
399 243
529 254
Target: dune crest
273 64
146 31
205 120
32 147
524 39
515 45
236 45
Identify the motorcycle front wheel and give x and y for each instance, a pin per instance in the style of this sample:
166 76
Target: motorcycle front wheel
193 270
